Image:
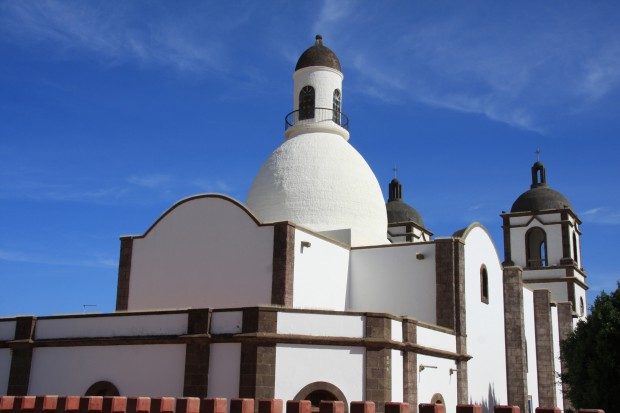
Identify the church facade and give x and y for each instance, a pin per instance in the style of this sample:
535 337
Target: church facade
315 288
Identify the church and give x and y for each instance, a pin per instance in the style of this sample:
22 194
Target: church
316 288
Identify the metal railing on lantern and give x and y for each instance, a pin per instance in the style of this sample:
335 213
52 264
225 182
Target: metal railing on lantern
316 115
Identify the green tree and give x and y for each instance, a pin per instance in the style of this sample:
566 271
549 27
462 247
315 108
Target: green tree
592 356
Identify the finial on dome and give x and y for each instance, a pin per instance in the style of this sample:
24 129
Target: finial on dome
319 39
396 190
539 175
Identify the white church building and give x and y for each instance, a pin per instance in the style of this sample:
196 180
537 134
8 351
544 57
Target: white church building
316 288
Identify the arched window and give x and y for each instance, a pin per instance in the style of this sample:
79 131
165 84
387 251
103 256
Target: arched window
306 103
536 248
484 284
582 307
575 256
336 106
102 388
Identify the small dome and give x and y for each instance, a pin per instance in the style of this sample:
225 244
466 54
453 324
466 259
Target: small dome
319 181
540 197
318 55
397 209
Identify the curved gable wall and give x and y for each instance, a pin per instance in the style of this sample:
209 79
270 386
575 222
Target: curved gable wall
485 322
206 251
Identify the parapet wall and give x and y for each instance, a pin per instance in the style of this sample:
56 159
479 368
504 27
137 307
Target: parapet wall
99 404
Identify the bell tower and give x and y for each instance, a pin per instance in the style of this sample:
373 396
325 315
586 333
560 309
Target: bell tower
317 94
542 235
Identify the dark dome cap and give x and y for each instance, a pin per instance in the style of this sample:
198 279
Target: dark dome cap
397 209
318 55
540 197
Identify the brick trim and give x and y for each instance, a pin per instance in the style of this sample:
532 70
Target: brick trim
21 356
283 264
514 333
445 283
378 363
565 327
124 274
197 354
544 348
323 385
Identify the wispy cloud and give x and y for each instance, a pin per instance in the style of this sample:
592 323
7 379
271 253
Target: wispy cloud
602 215
114 32
36 258
520 67
145 188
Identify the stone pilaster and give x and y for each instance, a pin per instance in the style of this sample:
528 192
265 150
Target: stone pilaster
283 263
378 369
258 361
544 348
124 272
410 364
445 282
197 353
565 327
507 247
514 333
21 356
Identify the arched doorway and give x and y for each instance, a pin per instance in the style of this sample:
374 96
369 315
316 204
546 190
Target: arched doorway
321 391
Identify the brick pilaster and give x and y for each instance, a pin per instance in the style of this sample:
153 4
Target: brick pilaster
410 364
445 283
378 369
21 356
258 361
565 327
197 353
283 263
544 348
516 368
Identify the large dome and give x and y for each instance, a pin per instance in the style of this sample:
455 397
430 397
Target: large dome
318 180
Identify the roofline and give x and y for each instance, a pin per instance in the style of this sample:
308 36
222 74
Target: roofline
541 212
464 232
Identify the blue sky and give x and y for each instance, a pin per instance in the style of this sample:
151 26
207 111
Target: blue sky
111 111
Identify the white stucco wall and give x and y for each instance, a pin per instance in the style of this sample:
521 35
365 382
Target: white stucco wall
207 252
299 365
485 322
393 280
224 366
111 326
7 330
226 322
320 324
559 292
148 370
530 336
437 380
321 273
397 375
396 330
556 357
5 366
435 339
554 237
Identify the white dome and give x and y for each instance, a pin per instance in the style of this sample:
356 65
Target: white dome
318 180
